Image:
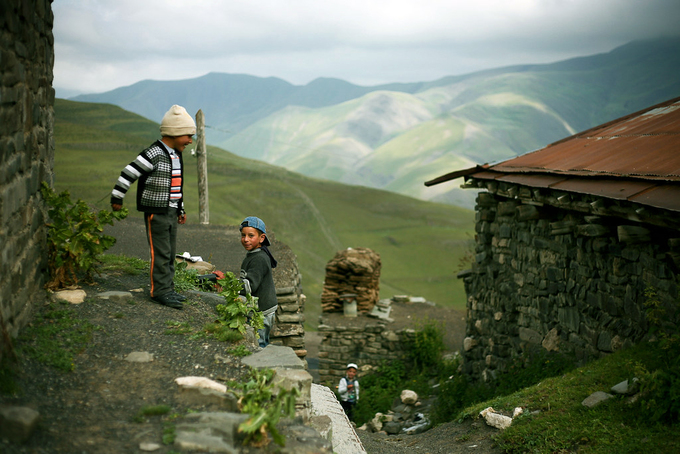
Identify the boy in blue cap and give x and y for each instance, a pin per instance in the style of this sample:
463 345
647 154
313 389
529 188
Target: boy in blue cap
256 272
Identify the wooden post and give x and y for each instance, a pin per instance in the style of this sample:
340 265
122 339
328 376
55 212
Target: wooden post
202 166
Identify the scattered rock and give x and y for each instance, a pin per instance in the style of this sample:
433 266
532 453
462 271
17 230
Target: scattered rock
494 419
392 427
200 382
421 424
115 296
139 357
149 447
17 423
624 388
596 398
376 424
70 296
409 397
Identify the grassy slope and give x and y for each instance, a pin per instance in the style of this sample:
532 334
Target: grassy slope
555 421
407 139
420 243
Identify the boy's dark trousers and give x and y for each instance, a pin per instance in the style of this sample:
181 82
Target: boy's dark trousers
349 409
161 233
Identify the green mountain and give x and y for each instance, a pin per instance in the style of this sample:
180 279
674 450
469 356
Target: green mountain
397 136
422 244
231 102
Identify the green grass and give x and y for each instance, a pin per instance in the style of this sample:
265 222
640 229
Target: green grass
239 351
223 333
178 328
55 337
420 243
118 263
151 410
555 421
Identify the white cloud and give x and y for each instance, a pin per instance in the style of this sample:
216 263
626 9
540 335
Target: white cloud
103 44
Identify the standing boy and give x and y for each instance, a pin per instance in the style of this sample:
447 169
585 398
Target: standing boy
348 388
256 272
160 171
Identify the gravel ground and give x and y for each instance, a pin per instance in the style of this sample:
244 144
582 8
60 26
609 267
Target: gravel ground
450 438
92 408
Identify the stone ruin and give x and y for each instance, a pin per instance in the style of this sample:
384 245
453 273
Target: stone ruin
353 274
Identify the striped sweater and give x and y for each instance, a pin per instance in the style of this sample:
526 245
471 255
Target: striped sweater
153 169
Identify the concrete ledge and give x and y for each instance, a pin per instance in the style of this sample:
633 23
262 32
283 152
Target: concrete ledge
344 437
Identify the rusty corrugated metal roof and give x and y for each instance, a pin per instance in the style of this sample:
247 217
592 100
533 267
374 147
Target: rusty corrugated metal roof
644 145
636 158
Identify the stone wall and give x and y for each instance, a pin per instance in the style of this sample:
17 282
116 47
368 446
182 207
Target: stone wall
26 155
549 272
289 328
362 340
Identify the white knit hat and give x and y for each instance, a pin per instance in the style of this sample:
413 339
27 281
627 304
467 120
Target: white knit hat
177 122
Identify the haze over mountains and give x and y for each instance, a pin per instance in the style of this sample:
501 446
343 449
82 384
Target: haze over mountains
397 136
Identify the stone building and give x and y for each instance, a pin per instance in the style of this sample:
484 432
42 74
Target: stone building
572 240
26 157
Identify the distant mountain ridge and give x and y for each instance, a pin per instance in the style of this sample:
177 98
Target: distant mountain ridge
396 136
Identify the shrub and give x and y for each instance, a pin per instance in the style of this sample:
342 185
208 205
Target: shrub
75 237
423 363
426 349
378 390
660 387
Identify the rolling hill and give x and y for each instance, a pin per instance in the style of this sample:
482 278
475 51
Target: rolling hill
397 136
421 244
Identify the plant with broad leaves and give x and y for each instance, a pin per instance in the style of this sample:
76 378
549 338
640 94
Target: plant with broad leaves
238 311
75 237
265 407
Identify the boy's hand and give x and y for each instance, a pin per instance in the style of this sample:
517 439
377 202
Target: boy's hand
182 218
116 206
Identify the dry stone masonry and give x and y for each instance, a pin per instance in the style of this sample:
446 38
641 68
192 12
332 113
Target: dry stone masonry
366 340
26 156
289 328
562 272
353 274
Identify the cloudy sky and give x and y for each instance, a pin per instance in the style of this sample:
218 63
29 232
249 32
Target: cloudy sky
104 44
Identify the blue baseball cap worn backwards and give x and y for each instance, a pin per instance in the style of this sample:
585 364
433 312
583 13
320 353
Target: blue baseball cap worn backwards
256 223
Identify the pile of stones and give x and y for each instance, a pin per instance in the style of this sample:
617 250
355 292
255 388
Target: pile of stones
408 415
353 273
